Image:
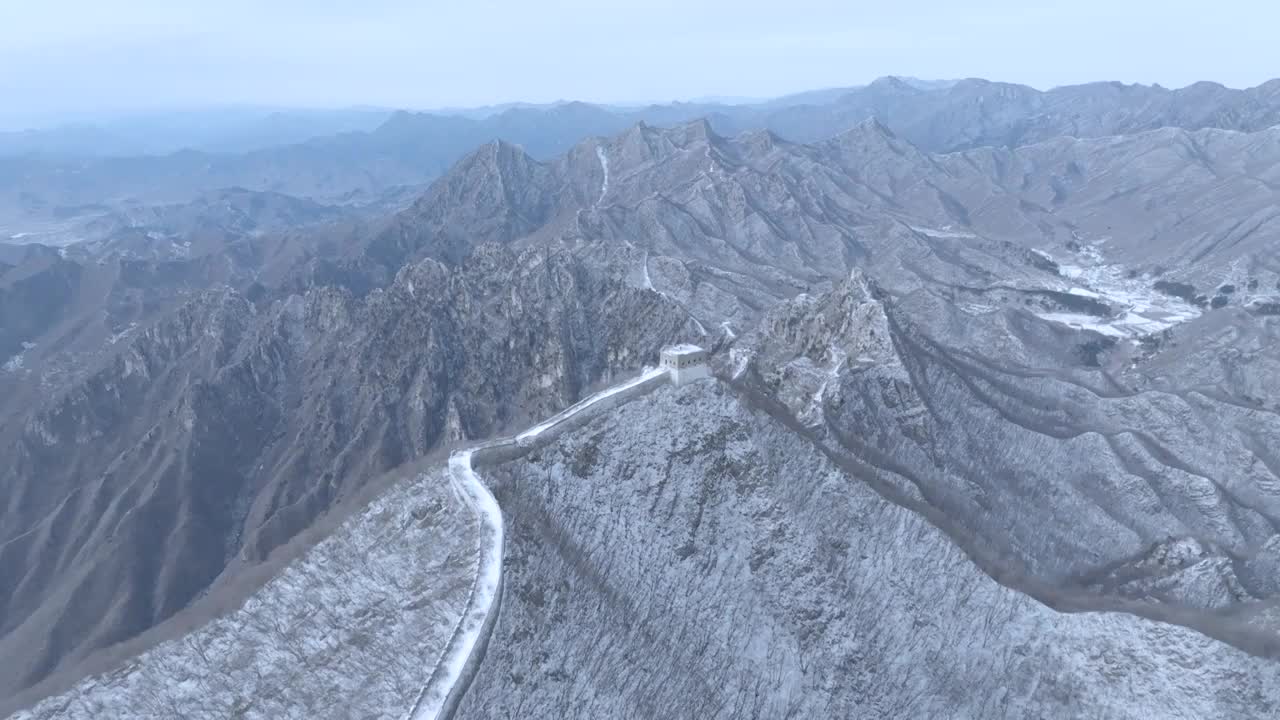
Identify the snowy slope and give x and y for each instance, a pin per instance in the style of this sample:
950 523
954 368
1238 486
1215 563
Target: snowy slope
344 631
404 594
689 556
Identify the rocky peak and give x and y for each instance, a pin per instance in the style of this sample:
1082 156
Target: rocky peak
847 321
806 348
644 143
1204 87
892 85
640 143
496 194
759 142
869 139
494 160
694 132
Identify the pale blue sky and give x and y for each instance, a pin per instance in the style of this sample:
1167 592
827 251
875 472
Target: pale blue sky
89 55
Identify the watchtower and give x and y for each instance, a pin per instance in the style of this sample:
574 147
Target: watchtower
685 363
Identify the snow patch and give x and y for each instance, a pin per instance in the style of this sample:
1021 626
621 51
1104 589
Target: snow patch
977 308
740 359
1083 292
943 232
117 337
648 281
812 414
604 167
1084 322
1142 309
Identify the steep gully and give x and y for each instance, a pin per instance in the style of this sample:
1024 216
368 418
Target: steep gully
454 669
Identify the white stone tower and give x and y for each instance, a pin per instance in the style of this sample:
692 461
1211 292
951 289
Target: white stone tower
685 363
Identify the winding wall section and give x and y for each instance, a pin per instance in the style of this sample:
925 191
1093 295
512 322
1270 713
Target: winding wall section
454 670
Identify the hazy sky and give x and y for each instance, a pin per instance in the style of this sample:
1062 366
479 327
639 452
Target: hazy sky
90 55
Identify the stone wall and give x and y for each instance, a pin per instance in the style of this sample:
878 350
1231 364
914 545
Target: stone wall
497 452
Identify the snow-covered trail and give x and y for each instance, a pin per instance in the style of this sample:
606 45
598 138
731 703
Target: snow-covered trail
452 672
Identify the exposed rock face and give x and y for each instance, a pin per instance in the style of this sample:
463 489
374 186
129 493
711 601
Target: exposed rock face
690 557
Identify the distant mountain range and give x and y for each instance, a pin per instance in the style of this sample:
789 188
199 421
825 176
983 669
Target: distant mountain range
243 129
49 197
229 130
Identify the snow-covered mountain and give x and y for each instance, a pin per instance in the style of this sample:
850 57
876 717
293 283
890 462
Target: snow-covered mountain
994 430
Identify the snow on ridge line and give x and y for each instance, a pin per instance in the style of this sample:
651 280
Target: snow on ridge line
458 660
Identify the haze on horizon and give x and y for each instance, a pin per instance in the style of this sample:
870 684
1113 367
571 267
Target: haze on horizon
76 58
